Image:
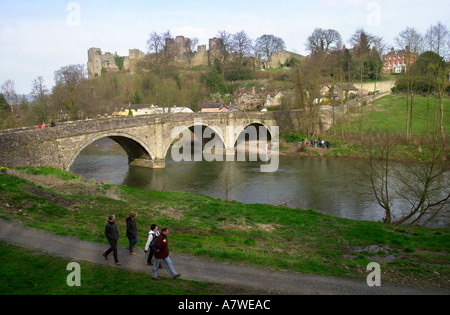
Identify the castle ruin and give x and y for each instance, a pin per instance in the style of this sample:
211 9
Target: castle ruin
98 62
177 50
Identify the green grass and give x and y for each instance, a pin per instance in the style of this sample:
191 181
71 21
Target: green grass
25 272
259 235
390 112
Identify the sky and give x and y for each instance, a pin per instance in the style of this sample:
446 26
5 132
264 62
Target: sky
39 37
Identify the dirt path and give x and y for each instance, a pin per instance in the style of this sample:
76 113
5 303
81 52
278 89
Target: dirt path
244 278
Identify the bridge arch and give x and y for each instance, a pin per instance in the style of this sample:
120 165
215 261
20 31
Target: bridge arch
138 152
256 124
216 131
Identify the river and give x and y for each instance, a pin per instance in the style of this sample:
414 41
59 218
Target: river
328 185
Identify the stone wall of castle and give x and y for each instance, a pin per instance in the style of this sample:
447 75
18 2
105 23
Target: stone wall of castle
98 61
179 50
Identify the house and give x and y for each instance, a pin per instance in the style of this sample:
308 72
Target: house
212 108
349 90
274 100
325 89
232 108
141 109
397 61
334 92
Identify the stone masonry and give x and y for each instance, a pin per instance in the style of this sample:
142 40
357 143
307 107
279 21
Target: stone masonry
146 139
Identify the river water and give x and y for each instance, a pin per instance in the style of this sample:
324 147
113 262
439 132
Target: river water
328 185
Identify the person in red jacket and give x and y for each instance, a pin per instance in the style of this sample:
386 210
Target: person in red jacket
163 255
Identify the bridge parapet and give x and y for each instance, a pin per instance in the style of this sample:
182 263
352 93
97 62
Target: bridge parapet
146 139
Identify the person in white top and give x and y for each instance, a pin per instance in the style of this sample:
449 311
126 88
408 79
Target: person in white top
154 233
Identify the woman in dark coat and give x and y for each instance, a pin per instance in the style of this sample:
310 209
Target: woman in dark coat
132 231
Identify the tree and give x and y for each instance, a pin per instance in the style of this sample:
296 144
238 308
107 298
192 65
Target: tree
8 90
226 46
67 80
242 45
155 43
437 40
41 99
422 185
321 41
439 70
367 54
410 41
267 45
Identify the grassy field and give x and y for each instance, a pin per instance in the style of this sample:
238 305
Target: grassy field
389 116
260 235
26 272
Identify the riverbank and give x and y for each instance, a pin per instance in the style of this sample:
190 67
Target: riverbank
266 236
46 251
385 117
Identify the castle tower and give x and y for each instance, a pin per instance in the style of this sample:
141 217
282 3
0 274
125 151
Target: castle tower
94 62
215 49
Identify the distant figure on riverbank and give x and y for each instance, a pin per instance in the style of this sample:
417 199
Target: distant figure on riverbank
52 124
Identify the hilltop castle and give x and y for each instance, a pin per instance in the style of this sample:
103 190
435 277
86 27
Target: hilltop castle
179 50
98 62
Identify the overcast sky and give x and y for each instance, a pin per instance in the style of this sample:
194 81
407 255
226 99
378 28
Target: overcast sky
39 37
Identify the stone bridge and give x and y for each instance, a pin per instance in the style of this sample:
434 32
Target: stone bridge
145 139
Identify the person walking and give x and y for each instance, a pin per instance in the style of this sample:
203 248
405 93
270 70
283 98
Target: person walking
132 232
162 244
154 233
112 234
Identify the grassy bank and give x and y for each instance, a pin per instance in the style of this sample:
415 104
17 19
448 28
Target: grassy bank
260 235
25 272
386 117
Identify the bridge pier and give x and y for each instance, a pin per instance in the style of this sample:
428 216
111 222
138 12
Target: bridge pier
157 164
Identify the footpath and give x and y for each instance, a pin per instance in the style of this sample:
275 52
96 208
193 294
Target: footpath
242 278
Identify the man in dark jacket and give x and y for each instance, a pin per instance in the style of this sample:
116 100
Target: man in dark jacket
163 255
112 234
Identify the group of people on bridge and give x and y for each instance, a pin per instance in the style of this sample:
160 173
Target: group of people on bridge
43 126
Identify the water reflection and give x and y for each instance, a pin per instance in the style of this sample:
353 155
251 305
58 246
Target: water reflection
330 186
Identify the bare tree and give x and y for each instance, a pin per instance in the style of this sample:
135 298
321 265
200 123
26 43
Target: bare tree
362 39
41 99
321 40
67 80
8 90
267 45
39 90
194 44
410 40
421 185
437 40
155 43
439 70
412 43
242 44
226 45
